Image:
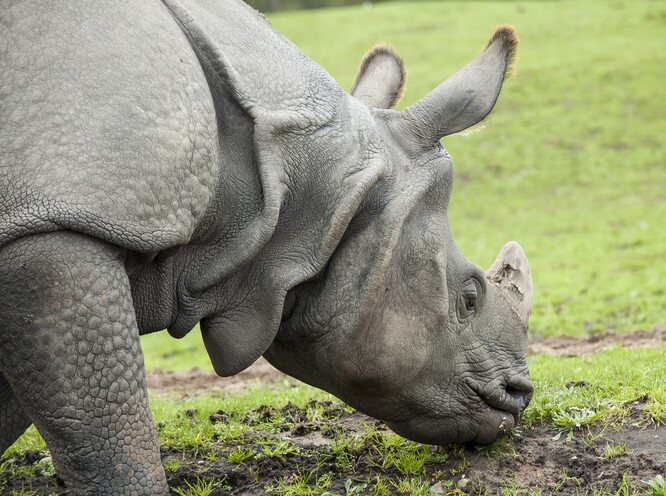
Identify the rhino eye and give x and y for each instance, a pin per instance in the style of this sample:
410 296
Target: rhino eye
468 299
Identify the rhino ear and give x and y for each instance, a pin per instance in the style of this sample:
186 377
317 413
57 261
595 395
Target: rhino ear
380 82
466 97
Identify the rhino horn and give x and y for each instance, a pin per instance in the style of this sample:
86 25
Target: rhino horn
512 272
466 97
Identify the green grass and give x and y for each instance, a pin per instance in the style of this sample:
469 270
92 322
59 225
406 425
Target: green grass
581 397
578 392
180 431
578 397
175 355
199 488
615 450
571 394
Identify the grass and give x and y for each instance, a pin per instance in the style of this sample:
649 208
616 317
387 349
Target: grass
657 486
614 450
166 353
581 396
572 165
192 432
199 488
577 392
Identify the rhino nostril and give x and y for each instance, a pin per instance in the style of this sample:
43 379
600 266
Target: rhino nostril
520 390
516 394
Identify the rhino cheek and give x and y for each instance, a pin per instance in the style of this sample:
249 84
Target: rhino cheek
370 368
491 355
380 359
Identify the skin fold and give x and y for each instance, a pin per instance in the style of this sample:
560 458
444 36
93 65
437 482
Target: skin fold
185 163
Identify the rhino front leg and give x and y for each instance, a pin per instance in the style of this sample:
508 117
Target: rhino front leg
13 420
70 350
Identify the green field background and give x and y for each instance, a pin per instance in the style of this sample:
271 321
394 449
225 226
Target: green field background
572 163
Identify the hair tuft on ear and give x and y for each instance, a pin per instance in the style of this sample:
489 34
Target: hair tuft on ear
506 35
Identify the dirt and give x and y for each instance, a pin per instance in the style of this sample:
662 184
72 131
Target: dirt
160 381
567 346
531 460
539 459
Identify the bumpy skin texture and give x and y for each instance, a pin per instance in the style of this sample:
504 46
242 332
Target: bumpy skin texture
88 109
185 163
71 353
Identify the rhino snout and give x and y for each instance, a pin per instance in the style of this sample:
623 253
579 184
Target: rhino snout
511 396
517 396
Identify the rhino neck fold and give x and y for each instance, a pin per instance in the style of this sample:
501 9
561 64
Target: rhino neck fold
313 183
291 178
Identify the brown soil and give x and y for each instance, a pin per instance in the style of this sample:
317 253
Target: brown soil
571 346
535 459
161 382
531 460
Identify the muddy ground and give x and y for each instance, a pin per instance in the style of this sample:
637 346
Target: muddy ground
533 459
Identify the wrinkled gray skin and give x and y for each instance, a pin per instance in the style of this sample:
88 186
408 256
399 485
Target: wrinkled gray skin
165 163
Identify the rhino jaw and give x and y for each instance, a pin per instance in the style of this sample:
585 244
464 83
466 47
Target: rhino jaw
512 272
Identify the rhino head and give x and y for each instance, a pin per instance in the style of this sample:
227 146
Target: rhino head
399 323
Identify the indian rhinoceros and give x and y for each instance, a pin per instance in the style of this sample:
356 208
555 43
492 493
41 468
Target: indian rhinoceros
165 163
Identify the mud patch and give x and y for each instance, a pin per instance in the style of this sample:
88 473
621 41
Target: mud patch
567 346
532 460
260 372
588 462
298 447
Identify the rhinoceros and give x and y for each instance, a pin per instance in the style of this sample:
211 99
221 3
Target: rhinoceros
165 163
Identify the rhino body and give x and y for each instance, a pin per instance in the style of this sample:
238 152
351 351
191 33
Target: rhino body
168 163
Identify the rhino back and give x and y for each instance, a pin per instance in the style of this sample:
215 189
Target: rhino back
107 125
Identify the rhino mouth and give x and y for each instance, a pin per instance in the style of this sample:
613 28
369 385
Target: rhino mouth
511 398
